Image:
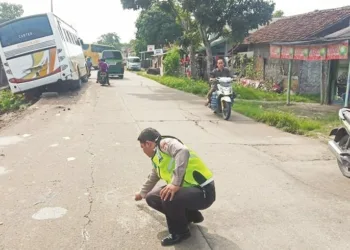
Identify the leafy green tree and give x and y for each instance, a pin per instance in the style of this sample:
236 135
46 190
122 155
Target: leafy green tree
215 18
227 18
10 11
156 27
190 36
278 13
111 39
172 62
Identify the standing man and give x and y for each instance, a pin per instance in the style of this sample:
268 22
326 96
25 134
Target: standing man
190 185
89 65
220 71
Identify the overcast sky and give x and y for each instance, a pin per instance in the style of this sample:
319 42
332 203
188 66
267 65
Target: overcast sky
85 15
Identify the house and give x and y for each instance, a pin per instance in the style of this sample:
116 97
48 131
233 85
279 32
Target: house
223 45
306 28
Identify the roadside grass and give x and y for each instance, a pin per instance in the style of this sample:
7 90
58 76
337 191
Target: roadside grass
200 88
10 102
300 118
303 117
248 93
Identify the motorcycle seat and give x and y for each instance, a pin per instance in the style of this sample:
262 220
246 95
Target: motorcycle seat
347 115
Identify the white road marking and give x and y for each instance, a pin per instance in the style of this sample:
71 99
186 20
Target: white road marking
54 145
4 171
70 159
26 135
47 213
66 138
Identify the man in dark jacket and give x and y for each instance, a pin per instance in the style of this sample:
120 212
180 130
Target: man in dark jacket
220 71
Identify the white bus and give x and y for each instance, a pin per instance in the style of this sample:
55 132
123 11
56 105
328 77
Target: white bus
39 50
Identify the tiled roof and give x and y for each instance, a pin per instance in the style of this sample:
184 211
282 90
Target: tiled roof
299 27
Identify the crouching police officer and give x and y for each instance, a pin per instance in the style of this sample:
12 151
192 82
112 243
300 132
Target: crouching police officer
190 186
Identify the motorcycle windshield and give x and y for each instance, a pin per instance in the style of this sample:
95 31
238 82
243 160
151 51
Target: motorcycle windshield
225 84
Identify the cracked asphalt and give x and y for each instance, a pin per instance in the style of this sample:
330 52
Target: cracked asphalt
70 167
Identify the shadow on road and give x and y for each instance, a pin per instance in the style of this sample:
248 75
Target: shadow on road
63 95
214 241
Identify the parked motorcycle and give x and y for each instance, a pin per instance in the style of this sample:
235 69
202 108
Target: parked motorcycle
340 146
103 78
222 99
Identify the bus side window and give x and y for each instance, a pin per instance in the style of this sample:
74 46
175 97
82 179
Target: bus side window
60 30
71 38
66 35
76 40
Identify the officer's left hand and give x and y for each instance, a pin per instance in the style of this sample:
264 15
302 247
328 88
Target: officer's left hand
168 191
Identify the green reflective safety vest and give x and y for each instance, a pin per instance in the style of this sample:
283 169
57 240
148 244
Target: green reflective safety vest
197 173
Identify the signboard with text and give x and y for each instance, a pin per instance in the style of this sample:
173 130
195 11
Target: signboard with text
275 51
150 48
338 51
301 53
287 52
158 52
317 52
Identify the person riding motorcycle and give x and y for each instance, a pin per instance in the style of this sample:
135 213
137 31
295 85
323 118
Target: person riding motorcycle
102 67
220 71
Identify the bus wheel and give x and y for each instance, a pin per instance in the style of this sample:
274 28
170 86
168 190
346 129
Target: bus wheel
77 83
86 77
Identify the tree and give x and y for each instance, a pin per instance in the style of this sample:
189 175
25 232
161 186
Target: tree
190 37
278 13
215 18
10 11
138 45
227 18
111 39
156 27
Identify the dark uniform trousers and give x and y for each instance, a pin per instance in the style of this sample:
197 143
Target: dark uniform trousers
184 206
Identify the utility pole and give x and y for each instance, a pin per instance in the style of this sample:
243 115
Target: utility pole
52 6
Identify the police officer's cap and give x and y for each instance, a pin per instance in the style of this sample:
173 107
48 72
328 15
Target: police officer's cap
149 134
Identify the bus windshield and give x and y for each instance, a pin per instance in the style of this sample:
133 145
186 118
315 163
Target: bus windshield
99 48
24 30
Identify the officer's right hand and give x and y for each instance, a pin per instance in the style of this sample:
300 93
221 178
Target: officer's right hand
138 197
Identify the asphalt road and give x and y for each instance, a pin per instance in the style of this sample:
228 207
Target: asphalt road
70 167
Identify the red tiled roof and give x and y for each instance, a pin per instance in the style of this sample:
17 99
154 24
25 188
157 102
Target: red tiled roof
299 27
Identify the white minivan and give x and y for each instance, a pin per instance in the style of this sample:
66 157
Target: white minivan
133 63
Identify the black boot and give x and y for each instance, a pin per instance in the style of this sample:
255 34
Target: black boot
173 239
195 217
